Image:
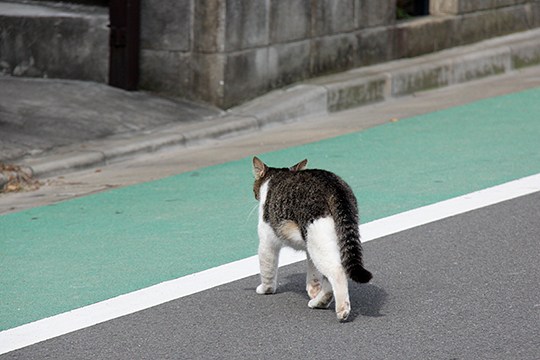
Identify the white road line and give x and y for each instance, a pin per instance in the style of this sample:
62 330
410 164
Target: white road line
451 207
41 330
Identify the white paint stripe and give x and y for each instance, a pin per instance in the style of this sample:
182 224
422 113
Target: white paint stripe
28 334
448 208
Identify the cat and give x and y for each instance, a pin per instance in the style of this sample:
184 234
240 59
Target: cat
315 211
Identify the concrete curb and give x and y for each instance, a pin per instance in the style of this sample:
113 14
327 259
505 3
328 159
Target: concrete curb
322 95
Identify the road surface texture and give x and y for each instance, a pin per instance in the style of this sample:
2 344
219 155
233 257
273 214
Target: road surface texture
461 287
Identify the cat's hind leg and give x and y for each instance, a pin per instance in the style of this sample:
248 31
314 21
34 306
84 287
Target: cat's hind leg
269 248
322 245
324 297
314 278
338 281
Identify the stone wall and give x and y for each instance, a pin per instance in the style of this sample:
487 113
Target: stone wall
225 52
454 7
69 42
228 51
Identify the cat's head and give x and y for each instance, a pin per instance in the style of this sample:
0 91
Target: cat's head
262 172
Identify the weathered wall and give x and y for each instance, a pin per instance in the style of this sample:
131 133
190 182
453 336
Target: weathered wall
225 52
234 50
59 42
228 51
438 7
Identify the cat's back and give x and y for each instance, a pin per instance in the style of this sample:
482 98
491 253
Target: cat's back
310 183
306 195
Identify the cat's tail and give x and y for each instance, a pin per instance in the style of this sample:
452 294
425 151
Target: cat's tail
345 214
351 258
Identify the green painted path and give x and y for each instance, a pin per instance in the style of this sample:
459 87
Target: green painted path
64 256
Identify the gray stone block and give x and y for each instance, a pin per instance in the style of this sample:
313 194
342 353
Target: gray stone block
525 54
356 91
290 20
501 3
513 19
288 63
74 2
209 26
473 5
478 26
533 10
166 25
166 72
37 41
423 36
333 53
471 28
228 79
374 46
481 64
444 7
456 7
246 24
245 76
420 78
333 16
370 13
208 78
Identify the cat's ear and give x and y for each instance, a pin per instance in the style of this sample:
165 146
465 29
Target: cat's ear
300 166
259 168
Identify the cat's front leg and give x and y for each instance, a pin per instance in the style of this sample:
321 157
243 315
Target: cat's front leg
269 248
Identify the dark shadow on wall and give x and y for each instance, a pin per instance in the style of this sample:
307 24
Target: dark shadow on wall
406 9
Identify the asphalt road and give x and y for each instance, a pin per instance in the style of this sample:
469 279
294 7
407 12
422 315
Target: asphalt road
466 287
461 288
87 250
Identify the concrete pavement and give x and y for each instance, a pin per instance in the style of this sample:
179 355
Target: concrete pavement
53 126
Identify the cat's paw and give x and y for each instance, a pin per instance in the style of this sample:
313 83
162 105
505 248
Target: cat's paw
265 290
343 311
343 315
321 302
313 290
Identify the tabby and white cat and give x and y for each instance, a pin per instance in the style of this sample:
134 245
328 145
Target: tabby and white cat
316 211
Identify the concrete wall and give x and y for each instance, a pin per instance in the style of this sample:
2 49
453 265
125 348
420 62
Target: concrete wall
69 42
228 51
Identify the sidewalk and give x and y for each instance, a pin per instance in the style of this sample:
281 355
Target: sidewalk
59 126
